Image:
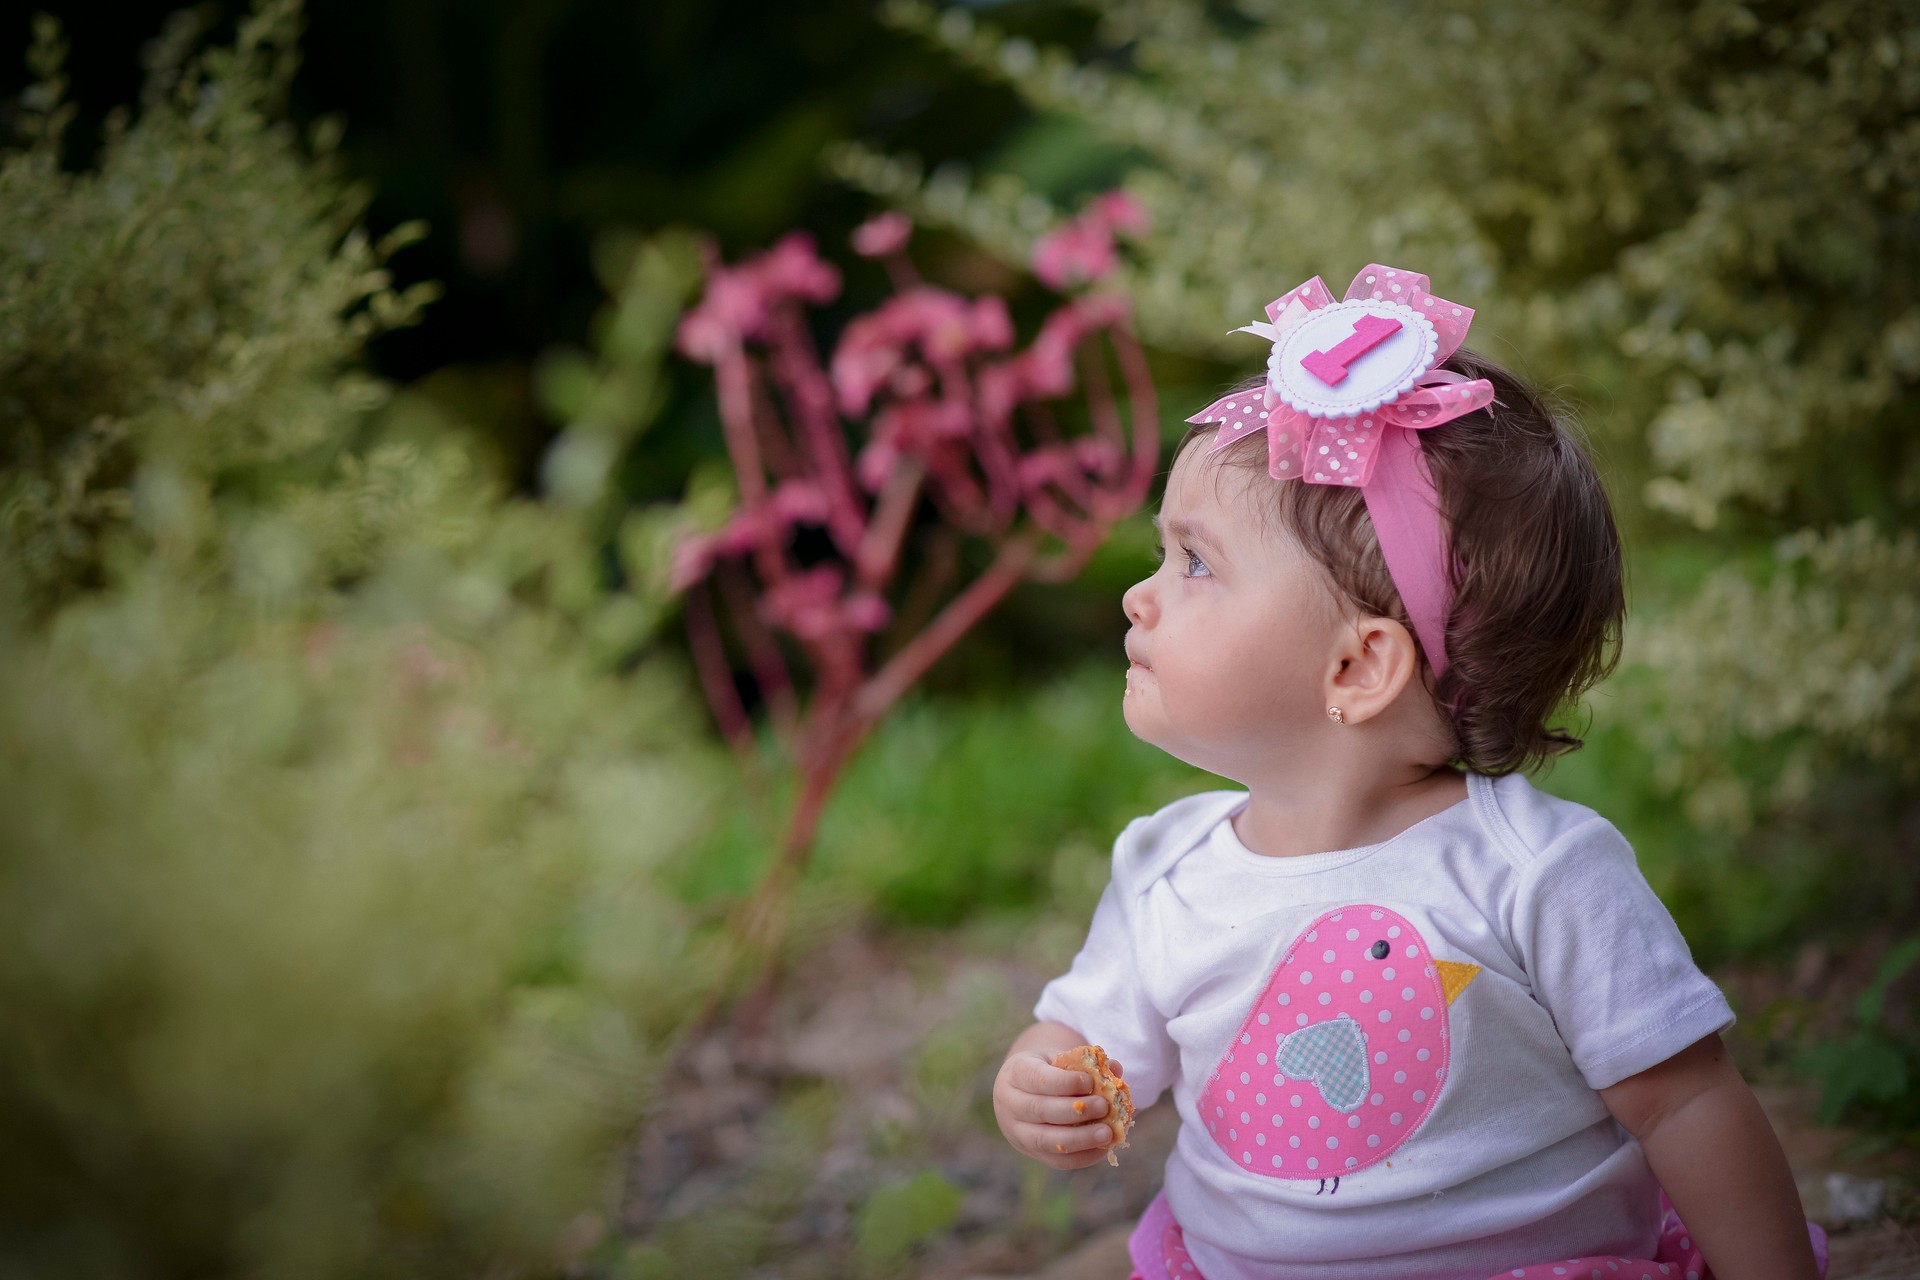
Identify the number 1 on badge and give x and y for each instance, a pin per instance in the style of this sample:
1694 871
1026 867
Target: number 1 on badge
1368 332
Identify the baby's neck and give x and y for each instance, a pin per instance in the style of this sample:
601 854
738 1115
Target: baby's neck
1288 820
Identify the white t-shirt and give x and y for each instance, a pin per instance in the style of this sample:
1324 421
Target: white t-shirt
1426 1020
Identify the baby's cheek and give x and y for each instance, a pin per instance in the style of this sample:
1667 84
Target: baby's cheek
1235 705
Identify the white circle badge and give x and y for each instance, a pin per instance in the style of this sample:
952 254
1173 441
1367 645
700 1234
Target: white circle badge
1351 357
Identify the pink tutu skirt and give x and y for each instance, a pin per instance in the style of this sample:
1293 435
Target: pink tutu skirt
1159 1252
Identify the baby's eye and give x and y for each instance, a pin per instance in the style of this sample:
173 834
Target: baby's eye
1196 567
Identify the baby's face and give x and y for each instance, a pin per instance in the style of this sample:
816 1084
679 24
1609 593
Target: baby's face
1233 634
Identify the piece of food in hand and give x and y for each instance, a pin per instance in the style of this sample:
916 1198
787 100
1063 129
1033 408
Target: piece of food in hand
1092 1059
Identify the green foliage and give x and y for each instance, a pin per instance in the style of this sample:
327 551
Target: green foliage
1774 683
1868 1075
1698 222
897 1217
279 906
331 791
607 396
194 302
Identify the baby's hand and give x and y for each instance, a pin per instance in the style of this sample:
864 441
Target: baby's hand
1050 1113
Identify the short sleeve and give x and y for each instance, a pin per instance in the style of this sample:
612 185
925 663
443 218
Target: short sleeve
1607 961
1102 997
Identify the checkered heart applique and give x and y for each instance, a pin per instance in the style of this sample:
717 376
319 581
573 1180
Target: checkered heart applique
1332 1056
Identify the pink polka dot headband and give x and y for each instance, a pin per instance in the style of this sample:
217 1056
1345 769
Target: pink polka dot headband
1348 385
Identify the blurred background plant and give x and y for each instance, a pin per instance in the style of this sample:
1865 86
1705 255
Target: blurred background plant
332 791
1867 1071
978 466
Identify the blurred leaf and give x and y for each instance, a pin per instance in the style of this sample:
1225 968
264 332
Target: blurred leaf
1061 157
1854 1070
895 1218
1867 1008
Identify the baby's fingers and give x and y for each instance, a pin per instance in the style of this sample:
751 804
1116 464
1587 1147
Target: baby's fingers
1041 1109
1032 1073
1066 1146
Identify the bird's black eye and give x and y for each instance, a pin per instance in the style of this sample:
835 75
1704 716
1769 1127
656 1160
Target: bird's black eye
1379 950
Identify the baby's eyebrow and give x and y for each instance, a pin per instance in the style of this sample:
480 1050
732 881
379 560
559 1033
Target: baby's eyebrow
1187 531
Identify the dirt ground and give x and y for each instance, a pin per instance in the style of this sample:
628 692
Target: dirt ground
874 1065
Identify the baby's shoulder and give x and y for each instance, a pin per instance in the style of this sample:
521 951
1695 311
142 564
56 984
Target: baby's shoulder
1536 828
1150 845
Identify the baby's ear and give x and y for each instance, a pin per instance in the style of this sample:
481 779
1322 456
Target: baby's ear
1378 658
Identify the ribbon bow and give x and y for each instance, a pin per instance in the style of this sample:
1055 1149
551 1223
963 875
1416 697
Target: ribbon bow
1377 351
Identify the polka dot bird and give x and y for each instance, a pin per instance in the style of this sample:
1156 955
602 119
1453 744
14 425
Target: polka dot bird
1343 1056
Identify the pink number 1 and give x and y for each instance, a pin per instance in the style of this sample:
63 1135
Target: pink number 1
1368 332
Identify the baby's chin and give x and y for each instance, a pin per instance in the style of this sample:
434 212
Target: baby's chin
1143 725
1173 743
1146 723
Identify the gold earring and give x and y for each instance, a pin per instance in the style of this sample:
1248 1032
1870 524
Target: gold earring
1333 714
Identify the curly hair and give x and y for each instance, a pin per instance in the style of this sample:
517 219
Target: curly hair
1538 583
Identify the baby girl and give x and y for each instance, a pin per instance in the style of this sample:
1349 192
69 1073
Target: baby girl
1419 1018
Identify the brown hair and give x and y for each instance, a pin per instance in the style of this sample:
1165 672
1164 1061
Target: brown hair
1538 593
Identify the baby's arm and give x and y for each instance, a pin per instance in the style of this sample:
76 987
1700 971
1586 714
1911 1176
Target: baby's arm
1045 1111
1715 1154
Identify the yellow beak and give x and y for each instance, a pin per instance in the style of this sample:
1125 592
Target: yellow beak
1455 976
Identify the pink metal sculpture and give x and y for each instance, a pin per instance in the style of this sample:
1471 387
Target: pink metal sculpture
956 435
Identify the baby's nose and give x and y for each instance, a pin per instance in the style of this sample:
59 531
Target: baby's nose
1137 603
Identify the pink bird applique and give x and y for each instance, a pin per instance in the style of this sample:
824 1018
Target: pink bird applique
1343 1056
